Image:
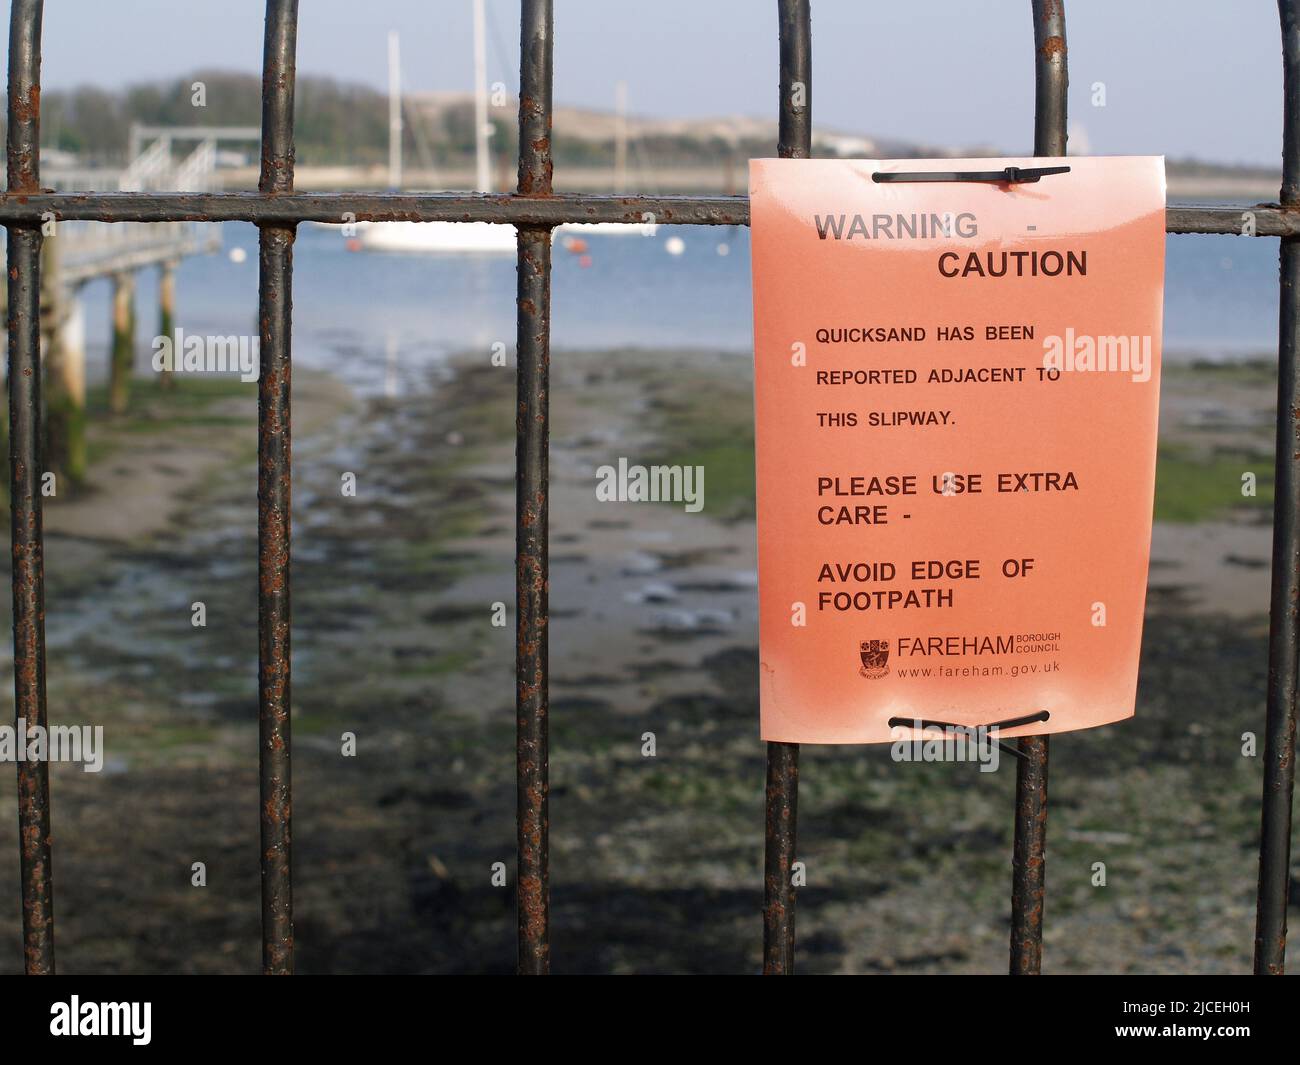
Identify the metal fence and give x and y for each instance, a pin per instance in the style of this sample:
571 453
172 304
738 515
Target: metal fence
534 209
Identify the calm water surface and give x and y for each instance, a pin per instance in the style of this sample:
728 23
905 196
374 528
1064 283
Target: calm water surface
368 317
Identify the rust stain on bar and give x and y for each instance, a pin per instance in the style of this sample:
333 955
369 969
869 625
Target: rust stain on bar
1052 47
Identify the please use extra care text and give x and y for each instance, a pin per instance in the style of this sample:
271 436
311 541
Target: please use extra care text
833 490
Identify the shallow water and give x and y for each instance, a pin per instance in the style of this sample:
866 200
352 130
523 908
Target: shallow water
375 319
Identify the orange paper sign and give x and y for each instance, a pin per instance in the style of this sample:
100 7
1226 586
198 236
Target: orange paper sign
956 391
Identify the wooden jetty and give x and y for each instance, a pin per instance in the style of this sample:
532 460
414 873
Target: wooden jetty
162 158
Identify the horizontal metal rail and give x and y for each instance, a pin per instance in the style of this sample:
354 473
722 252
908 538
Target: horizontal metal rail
340 208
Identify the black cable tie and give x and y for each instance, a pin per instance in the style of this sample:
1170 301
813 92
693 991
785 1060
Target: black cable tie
1012 175
1011 722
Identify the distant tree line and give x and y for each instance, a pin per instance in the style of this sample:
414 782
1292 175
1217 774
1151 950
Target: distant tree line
335 123
341 123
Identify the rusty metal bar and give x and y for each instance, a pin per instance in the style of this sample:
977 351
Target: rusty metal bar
781 800
520 209
1051 77
274 483
1029 852
1029 856
532 490
23 158
781 796
1260 220
1269 220
1283 634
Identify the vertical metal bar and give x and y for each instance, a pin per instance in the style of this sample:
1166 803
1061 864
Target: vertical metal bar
274 472
1051 77
1028 858
782 801
794 141
23 158
1283 635
532 489
1029 852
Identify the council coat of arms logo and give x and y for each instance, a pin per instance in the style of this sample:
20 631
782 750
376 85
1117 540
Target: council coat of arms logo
875 658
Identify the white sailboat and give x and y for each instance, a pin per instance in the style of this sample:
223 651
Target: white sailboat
440 238
616 229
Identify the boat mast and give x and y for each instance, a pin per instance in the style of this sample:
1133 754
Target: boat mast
394 112
620 136
483 179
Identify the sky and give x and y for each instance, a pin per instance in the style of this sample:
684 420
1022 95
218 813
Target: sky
1183 78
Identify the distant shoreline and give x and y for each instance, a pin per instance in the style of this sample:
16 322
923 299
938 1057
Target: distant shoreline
679 180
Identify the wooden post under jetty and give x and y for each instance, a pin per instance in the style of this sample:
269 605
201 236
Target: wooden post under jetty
167 315
74 254
122 358
64 346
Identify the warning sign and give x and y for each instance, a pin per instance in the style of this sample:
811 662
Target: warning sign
957 376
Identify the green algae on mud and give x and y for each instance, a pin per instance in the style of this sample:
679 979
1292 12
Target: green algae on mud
1217 437
1194 485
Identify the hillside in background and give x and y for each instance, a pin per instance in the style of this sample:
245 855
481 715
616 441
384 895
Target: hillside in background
341 124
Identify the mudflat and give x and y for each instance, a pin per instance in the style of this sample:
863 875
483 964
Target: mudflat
398 595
